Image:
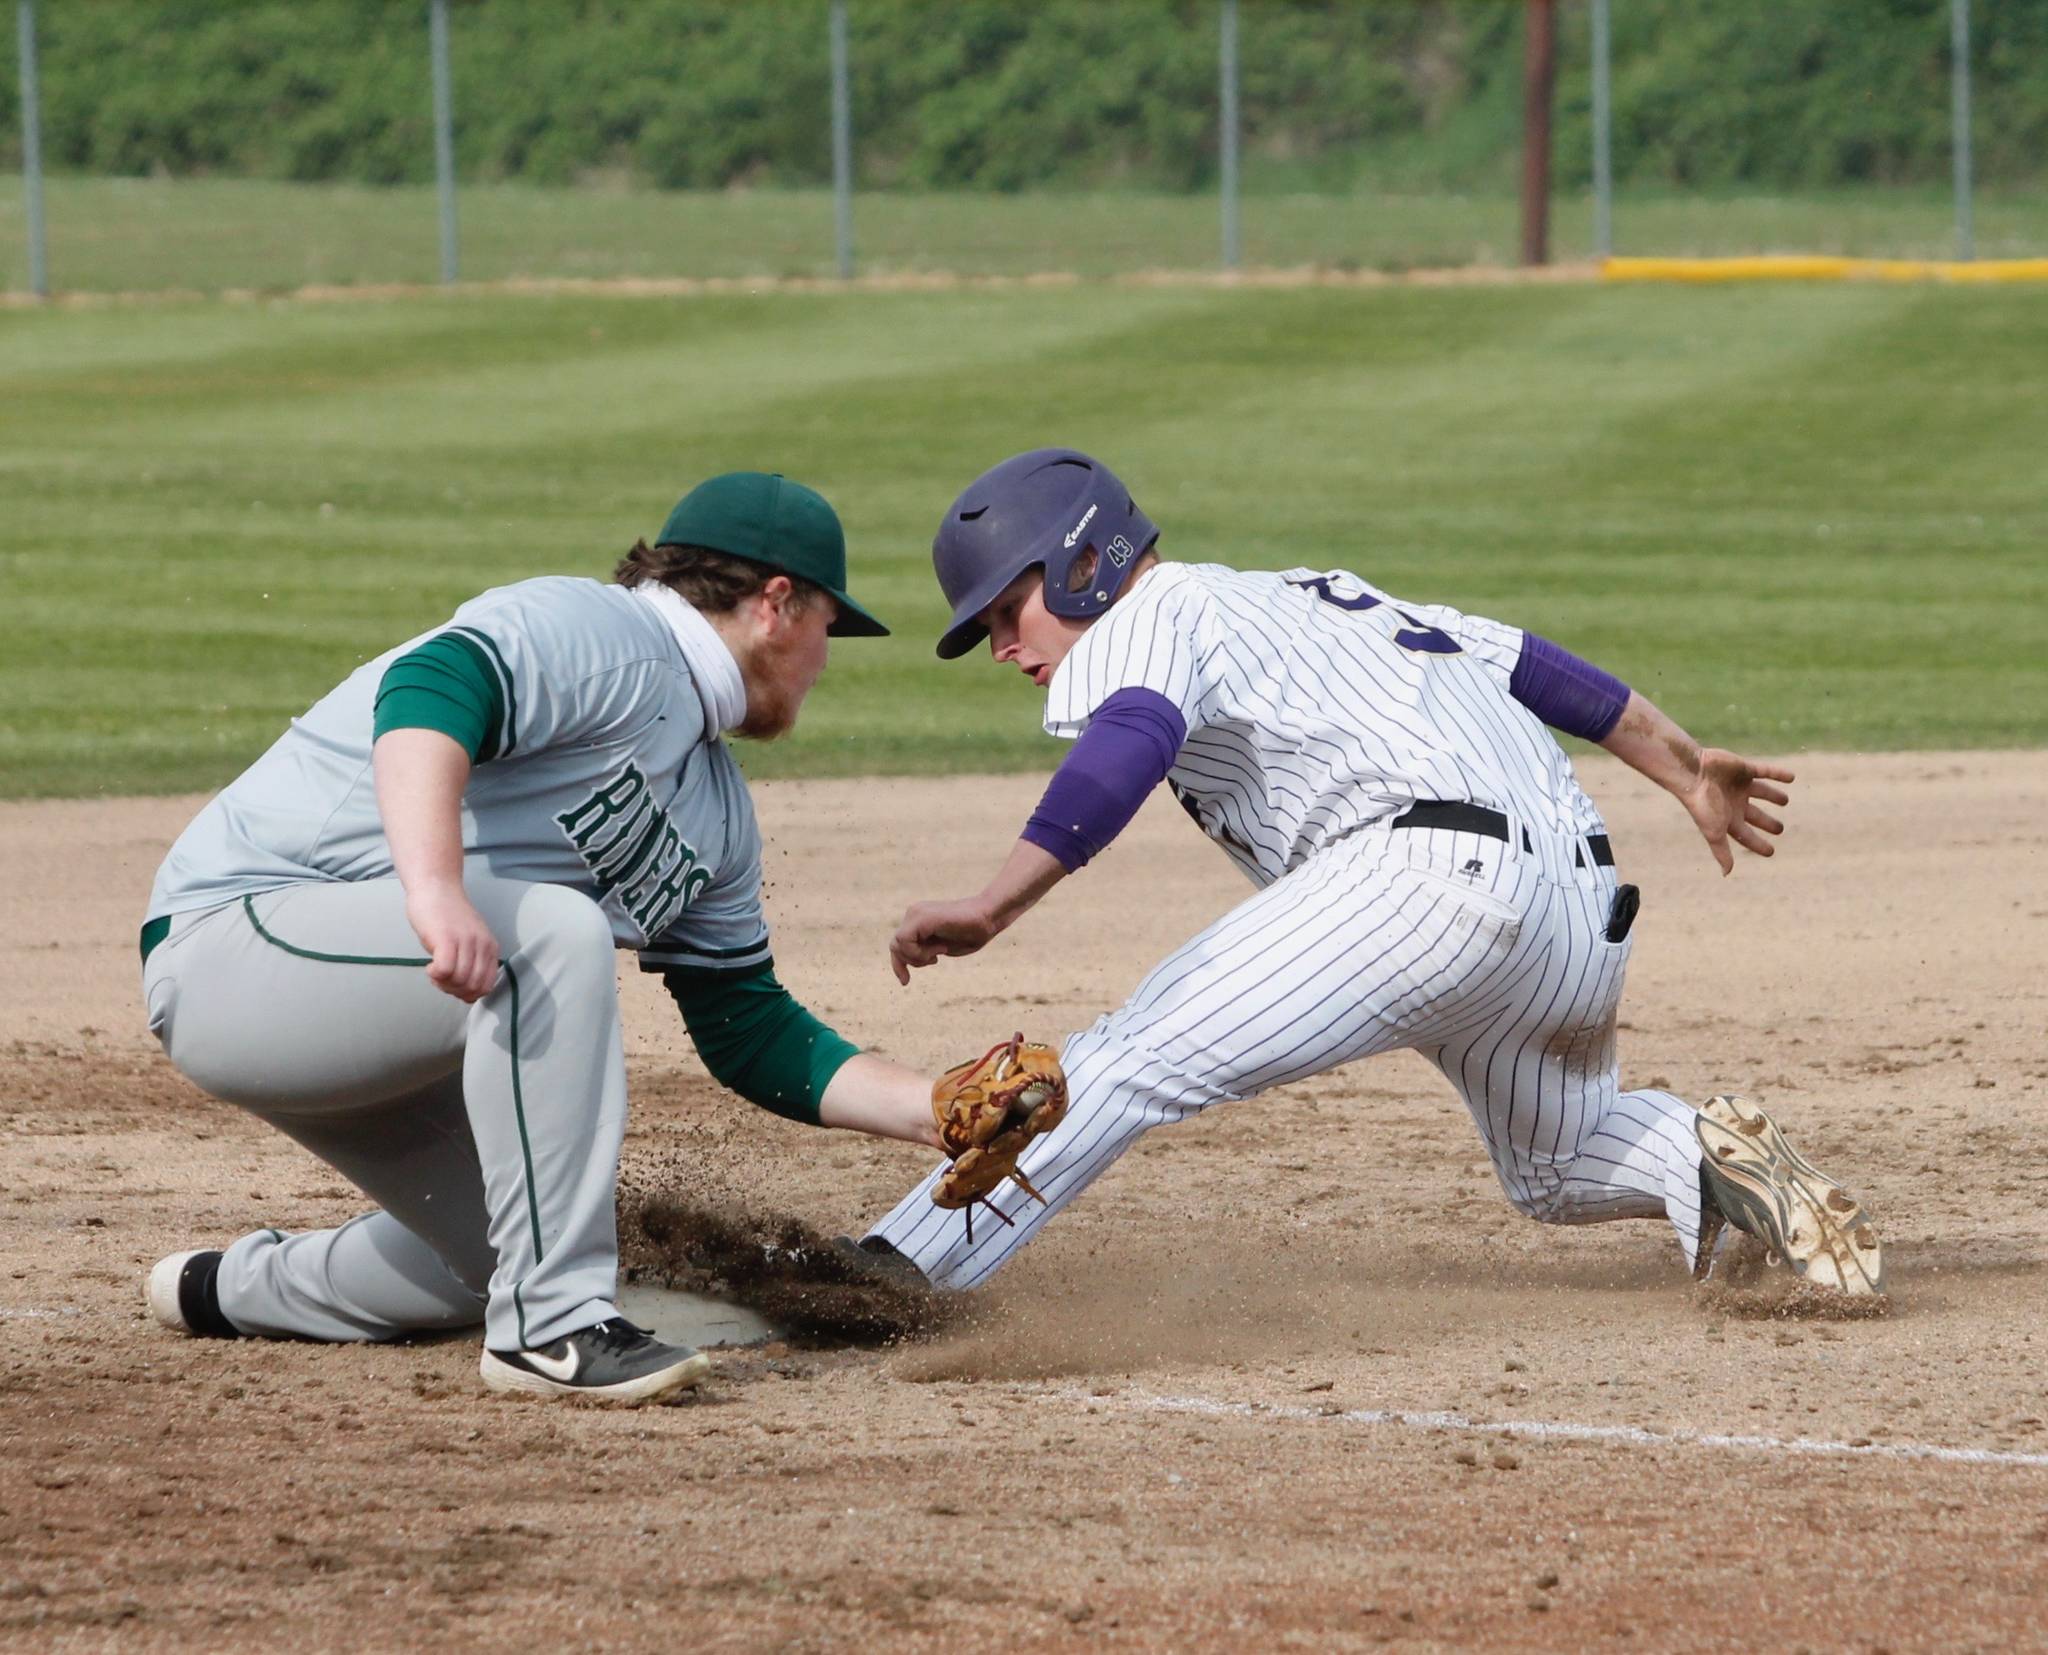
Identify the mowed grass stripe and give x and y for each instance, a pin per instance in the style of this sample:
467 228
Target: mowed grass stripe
1851 531
1798 517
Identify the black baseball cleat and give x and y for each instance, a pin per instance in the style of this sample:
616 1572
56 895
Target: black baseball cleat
1760 1184
609 1361
1713 1230
872 1256
183 1293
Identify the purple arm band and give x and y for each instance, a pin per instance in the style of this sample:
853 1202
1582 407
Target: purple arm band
1565 692
1125 752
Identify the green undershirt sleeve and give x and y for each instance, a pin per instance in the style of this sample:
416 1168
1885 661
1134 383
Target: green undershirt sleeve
447 685
756 1039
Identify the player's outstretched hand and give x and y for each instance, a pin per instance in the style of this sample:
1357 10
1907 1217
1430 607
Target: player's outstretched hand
1727 802
465 954
933 931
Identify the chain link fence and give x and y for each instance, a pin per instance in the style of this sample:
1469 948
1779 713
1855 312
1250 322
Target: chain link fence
896 138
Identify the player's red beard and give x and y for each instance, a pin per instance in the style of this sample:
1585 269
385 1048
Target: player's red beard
778 677
769 715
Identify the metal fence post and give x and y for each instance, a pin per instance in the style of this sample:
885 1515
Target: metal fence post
842 144
1959 84
1539 80
32 151
444 133
1603 133
1227 179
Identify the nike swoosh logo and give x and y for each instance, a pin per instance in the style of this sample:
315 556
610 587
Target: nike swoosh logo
561 1368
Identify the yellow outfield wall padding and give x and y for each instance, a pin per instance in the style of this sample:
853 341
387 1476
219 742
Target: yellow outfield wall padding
1822 267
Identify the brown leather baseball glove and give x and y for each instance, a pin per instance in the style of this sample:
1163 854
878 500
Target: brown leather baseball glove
987 1111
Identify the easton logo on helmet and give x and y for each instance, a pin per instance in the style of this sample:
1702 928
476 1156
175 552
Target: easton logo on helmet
1052 509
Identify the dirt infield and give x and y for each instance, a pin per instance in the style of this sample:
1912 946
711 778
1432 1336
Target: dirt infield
1293 1374
887 281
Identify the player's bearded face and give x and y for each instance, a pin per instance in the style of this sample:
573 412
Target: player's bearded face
788 654
1025 634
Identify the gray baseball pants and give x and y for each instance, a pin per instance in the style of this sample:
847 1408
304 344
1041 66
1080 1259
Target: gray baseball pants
488 1134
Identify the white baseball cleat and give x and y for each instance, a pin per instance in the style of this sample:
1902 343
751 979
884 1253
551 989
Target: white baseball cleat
1764 1186
609 1361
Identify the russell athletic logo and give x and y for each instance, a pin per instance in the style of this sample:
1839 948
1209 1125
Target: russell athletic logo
1073 539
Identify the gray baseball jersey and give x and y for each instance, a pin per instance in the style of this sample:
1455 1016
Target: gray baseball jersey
621 788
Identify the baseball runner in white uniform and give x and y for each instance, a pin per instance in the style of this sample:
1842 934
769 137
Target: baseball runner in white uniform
1429 873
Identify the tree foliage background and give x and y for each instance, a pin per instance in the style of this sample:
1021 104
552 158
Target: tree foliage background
1021 94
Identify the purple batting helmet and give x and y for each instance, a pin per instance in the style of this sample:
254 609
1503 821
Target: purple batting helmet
1043 509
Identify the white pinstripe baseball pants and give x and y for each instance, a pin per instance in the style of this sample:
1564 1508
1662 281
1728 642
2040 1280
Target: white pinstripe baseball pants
1490 961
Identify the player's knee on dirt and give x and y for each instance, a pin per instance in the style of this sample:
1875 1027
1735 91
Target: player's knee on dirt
1535 1192
471 1266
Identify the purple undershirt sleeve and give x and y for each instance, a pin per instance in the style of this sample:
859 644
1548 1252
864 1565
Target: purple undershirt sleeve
1565 692
1125 752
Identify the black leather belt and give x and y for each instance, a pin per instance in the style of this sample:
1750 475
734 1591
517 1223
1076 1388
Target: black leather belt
1460 817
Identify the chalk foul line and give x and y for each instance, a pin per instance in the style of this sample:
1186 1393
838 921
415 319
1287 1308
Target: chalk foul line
1551 1430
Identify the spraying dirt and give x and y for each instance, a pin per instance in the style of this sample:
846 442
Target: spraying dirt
775 1265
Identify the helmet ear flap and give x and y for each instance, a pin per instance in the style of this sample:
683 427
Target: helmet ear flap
1049 507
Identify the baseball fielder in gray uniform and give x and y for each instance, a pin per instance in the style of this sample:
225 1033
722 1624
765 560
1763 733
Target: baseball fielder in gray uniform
392 937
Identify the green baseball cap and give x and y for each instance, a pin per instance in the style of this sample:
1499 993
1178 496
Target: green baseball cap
781 525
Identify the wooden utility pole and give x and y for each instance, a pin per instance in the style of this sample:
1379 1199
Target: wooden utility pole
1539 77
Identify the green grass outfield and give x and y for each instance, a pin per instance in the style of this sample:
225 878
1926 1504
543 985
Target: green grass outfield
1796 516
122 234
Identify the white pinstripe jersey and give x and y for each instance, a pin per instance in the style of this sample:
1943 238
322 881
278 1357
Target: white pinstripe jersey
1316 704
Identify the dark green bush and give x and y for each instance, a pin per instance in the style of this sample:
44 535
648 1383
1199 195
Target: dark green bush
1008 94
